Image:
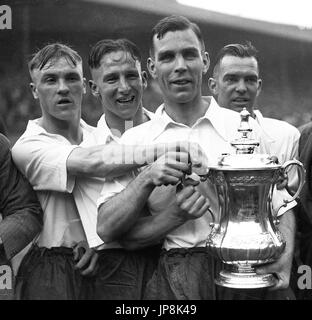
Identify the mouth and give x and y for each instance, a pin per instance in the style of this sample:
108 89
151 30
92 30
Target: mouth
64 101
181 82
126 100
241 101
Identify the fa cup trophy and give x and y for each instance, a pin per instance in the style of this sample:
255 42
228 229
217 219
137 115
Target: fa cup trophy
246 233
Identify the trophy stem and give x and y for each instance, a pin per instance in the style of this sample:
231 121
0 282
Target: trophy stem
244 277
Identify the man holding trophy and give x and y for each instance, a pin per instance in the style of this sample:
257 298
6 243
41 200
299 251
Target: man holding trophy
183 221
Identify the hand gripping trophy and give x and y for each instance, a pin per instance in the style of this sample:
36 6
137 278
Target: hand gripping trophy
247 234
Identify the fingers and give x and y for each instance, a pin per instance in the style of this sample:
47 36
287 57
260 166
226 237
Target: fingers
282 276
91 270
192 202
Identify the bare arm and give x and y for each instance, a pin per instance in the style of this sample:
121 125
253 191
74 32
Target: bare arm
111 160
114 160
189 204
118 214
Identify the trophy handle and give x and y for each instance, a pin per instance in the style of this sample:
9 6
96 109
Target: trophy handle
301 178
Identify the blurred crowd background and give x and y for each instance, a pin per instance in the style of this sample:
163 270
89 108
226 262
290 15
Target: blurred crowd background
285 51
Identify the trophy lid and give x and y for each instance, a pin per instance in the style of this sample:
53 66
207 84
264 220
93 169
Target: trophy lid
244 158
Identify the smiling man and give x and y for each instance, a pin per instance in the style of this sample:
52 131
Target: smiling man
118 82
180 216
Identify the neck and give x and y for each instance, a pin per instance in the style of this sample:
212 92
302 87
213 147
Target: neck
187 113
70 130
118 126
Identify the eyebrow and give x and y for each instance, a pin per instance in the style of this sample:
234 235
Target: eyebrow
170 51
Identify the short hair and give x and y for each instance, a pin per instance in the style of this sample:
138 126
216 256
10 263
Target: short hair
174 23
106 46
54 52
246 50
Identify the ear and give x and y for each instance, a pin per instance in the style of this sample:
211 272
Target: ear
212 85
84 85
144 79
34 90
94 89
259 86
206 61
151 67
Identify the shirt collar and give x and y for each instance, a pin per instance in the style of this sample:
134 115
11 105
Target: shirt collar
33 128
213 114
103 126
106 131
261 121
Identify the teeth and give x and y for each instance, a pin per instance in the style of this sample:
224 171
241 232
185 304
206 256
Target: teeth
124 101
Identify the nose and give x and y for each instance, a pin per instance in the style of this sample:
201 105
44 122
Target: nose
123 86
62 87
241 86
180 64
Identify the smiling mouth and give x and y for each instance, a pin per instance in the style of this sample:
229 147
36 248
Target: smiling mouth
125 100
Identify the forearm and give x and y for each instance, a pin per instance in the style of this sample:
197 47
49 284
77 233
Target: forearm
19 229
287 227
117 215
150 230
111 160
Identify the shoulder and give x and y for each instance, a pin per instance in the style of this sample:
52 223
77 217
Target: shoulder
306 129
4 147
305 134
281 127
137 134
4 142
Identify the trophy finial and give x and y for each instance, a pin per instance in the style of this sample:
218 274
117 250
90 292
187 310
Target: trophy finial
244 144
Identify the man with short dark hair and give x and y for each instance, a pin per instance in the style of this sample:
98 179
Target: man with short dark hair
236 84
118 82
180 216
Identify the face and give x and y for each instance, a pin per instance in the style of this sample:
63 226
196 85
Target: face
178 65
59 86
237 83
119 83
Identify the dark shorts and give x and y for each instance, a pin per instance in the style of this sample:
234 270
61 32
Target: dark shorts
123 274
188 274
50 274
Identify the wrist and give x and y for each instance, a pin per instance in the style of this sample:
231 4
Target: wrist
145 179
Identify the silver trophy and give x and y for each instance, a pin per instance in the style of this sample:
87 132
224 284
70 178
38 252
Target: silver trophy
246 234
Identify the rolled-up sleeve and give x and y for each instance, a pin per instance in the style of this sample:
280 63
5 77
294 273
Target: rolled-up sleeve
21 211
43 162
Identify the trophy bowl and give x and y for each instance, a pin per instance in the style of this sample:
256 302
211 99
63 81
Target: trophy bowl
247 234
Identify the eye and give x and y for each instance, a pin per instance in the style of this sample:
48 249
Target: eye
72 77
191 54
133 76
50 80
230 79
166 57
251 80
110 79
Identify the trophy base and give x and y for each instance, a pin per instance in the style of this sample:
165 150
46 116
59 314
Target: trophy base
244 278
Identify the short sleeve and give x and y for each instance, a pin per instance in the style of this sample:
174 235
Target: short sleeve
43 161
